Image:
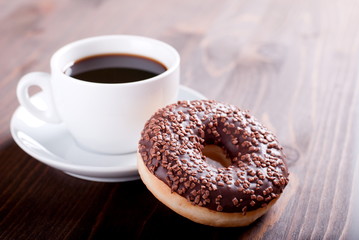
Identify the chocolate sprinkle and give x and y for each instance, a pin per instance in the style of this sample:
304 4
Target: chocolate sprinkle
171 147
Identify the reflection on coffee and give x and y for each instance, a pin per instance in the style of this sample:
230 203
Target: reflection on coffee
115 68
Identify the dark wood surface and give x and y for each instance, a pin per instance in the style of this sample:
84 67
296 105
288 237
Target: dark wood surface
293 64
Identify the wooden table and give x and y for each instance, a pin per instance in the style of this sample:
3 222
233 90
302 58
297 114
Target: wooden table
293 64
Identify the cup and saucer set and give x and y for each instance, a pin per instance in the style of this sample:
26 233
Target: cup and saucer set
53 145
66 125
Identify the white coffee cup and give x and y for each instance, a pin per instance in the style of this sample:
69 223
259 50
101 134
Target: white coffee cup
105 118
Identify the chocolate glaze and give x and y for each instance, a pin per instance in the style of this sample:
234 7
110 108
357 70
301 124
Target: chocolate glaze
171 147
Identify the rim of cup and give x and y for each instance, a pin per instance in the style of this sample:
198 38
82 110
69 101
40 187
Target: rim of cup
54 62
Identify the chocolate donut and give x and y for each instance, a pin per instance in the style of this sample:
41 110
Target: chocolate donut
173 162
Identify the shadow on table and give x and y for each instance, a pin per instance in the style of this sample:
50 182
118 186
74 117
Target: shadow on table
135 213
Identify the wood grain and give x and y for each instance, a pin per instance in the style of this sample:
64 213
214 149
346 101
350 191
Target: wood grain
293 64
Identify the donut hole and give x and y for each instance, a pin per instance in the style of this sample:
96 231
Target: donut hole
215 156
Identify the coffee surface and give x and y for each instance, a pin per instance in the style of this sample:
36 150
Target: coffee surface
115 68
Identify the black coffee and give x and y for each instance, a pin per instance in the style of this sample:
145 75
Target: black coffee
115 68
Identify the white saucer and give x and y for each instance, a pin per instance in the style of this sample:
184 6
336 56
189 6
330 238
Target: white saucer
52 144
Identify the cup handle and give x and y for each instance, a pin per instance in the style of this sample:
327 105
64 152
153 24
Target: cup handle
41 80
